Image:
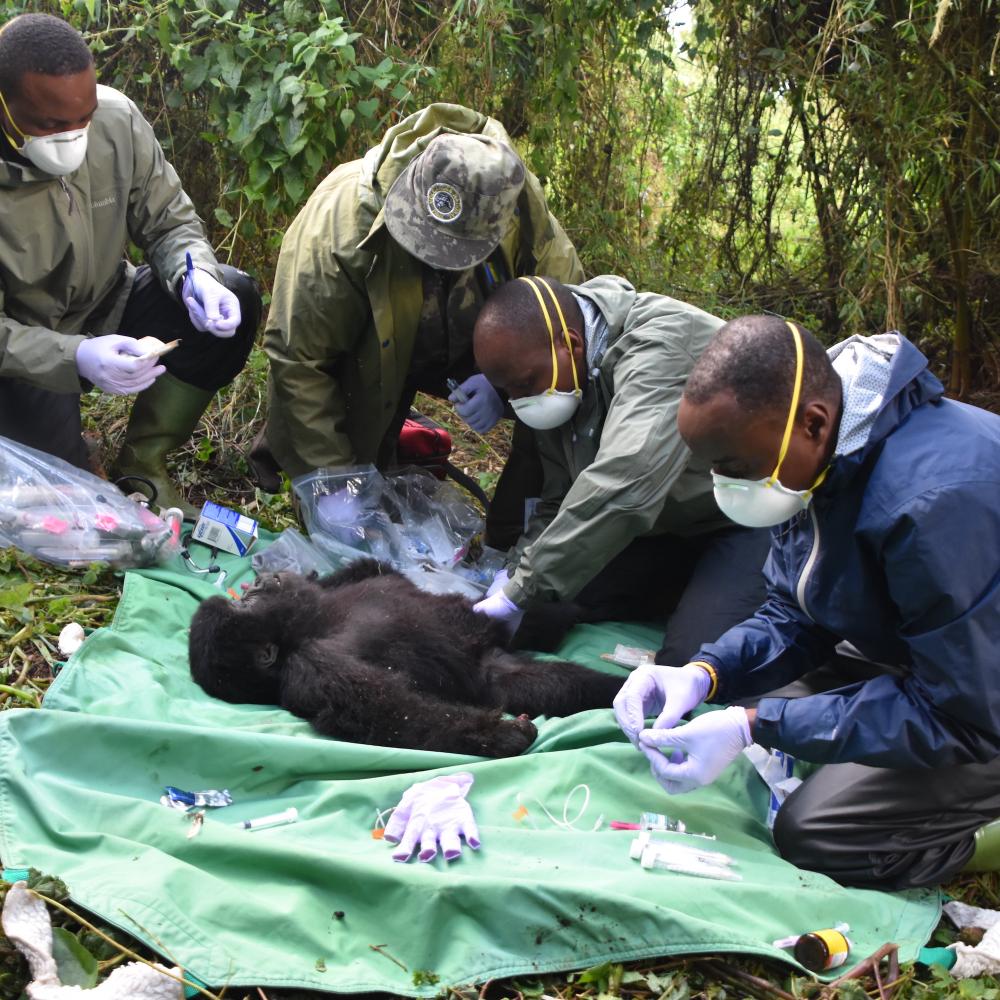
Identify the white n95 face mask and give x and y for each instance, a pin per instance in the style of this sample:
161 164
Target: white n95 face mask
553 407
764 503
758 503
58 154
549 409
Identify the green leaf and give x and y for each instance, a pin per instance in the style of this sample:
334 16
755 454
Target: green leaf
14 597
223 217
347 117
195 73
368 108
77 967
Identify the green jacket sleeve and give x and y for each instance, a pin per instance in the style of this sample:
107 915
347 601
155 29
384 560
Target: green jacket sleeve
319 312
162 220
35 354
621 493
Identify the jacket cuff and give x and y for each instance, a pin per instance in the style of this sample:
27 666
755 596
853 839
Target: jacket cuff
514 592
768 724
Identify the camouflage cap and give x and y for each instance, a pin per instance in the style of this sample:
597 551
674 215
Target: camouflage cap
453 203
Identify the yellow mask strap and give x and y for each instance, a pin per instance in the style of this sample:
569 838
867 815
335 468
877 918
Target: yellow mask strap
10 118
796 392
533 284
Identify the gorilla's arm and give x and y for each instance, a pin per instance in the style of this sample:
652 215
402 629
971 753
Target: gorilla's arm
345 698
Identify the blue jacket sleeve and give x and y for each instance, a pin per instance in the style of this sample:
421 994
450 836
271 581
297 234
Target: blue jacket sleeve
777 645
939 557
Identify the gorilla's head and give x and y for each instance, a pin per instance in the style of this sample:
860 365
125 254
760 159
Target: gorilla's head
234 648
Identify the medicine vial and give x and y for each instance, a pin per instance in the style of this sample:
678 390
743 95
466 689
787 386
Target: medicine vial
821 950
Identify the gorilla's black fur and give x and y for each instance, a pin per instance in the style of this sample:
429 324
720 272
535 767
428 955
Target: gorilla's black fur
366 656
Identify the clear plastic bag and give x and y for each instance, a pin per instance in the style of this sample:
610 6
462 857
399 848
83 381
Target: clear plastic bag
290 552
63 515
419 524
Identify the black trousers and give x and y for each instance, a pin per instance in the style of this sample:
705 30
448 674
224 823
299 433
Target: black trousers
880 827
702 586
50 421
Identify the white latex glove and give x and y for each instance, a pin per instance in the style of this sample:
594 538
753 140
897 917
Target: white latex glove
668 692
501 608
482 407
701 750
499 582
433 813
213 308
113 363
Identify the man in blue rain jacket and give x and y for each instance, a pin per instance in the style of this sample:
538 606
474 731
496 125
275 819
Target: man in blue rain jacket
884 505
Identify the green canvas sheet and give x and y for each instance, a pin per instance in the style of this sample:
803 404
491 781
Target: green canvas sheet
80 781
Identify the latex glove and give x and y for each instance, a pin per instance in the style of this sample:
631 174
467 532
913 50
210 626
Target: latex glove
702 749
338 509
433 813
499 582
483 407
653 688
501 608
213 308
112 363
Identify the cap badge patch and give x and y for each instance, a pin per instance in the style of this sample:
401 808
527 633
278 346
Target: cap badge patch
444 203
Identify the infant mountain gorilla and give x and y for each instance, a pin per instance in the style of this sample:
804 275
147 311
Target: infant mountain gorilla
366 656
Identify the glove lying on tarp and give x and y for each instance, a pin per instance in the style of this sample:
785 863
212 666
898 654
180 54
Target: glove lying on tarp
27 923
433 813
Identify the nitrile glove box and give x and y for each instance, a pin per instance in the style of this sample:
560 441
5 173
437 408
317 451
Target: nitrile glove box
225 529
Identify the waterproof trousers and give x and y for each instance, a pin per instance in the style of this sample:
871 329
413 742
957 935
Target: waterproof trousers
50 421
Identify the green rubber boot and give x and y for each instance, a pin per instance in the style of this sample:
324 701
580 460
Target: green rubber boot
986 855
163 417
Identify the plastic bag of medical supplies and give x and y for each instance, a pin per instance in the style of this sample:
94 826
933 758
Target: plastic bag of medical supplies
411 520
61 514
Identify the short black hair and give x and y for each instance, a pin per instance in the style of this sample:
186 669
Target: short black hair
40 43
514 307
753 357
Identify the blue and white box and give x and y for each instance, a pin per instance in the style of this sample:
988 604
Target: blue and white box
224 529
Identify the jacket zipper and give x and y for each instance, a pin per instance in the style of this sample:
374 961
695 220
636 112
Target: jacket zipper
69 193
800 588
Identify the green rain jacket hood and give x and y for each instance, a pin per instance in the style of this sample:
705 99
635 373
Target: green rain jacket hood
62 275
347 298
619 469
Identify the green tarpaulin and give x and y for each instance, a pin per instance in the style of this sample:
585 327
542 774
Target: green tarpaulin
320 904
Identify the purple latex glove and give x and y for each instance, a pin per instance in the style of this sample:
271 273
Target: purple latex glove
668 692
499 582
213 308
699 751
112 363
433 813
501 608
482 408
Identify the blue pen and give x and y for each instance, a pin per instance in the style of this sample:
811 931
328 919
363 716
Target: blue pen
190 265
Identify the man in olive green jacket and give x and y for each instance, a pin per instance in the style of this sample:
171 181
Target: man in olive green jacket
381 276
82 175
627 526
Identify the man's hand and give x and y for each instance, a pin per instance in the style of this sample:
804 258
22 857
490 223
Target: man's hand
501 608
699 751
115 364
213 308
433 813
668 692
482 407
